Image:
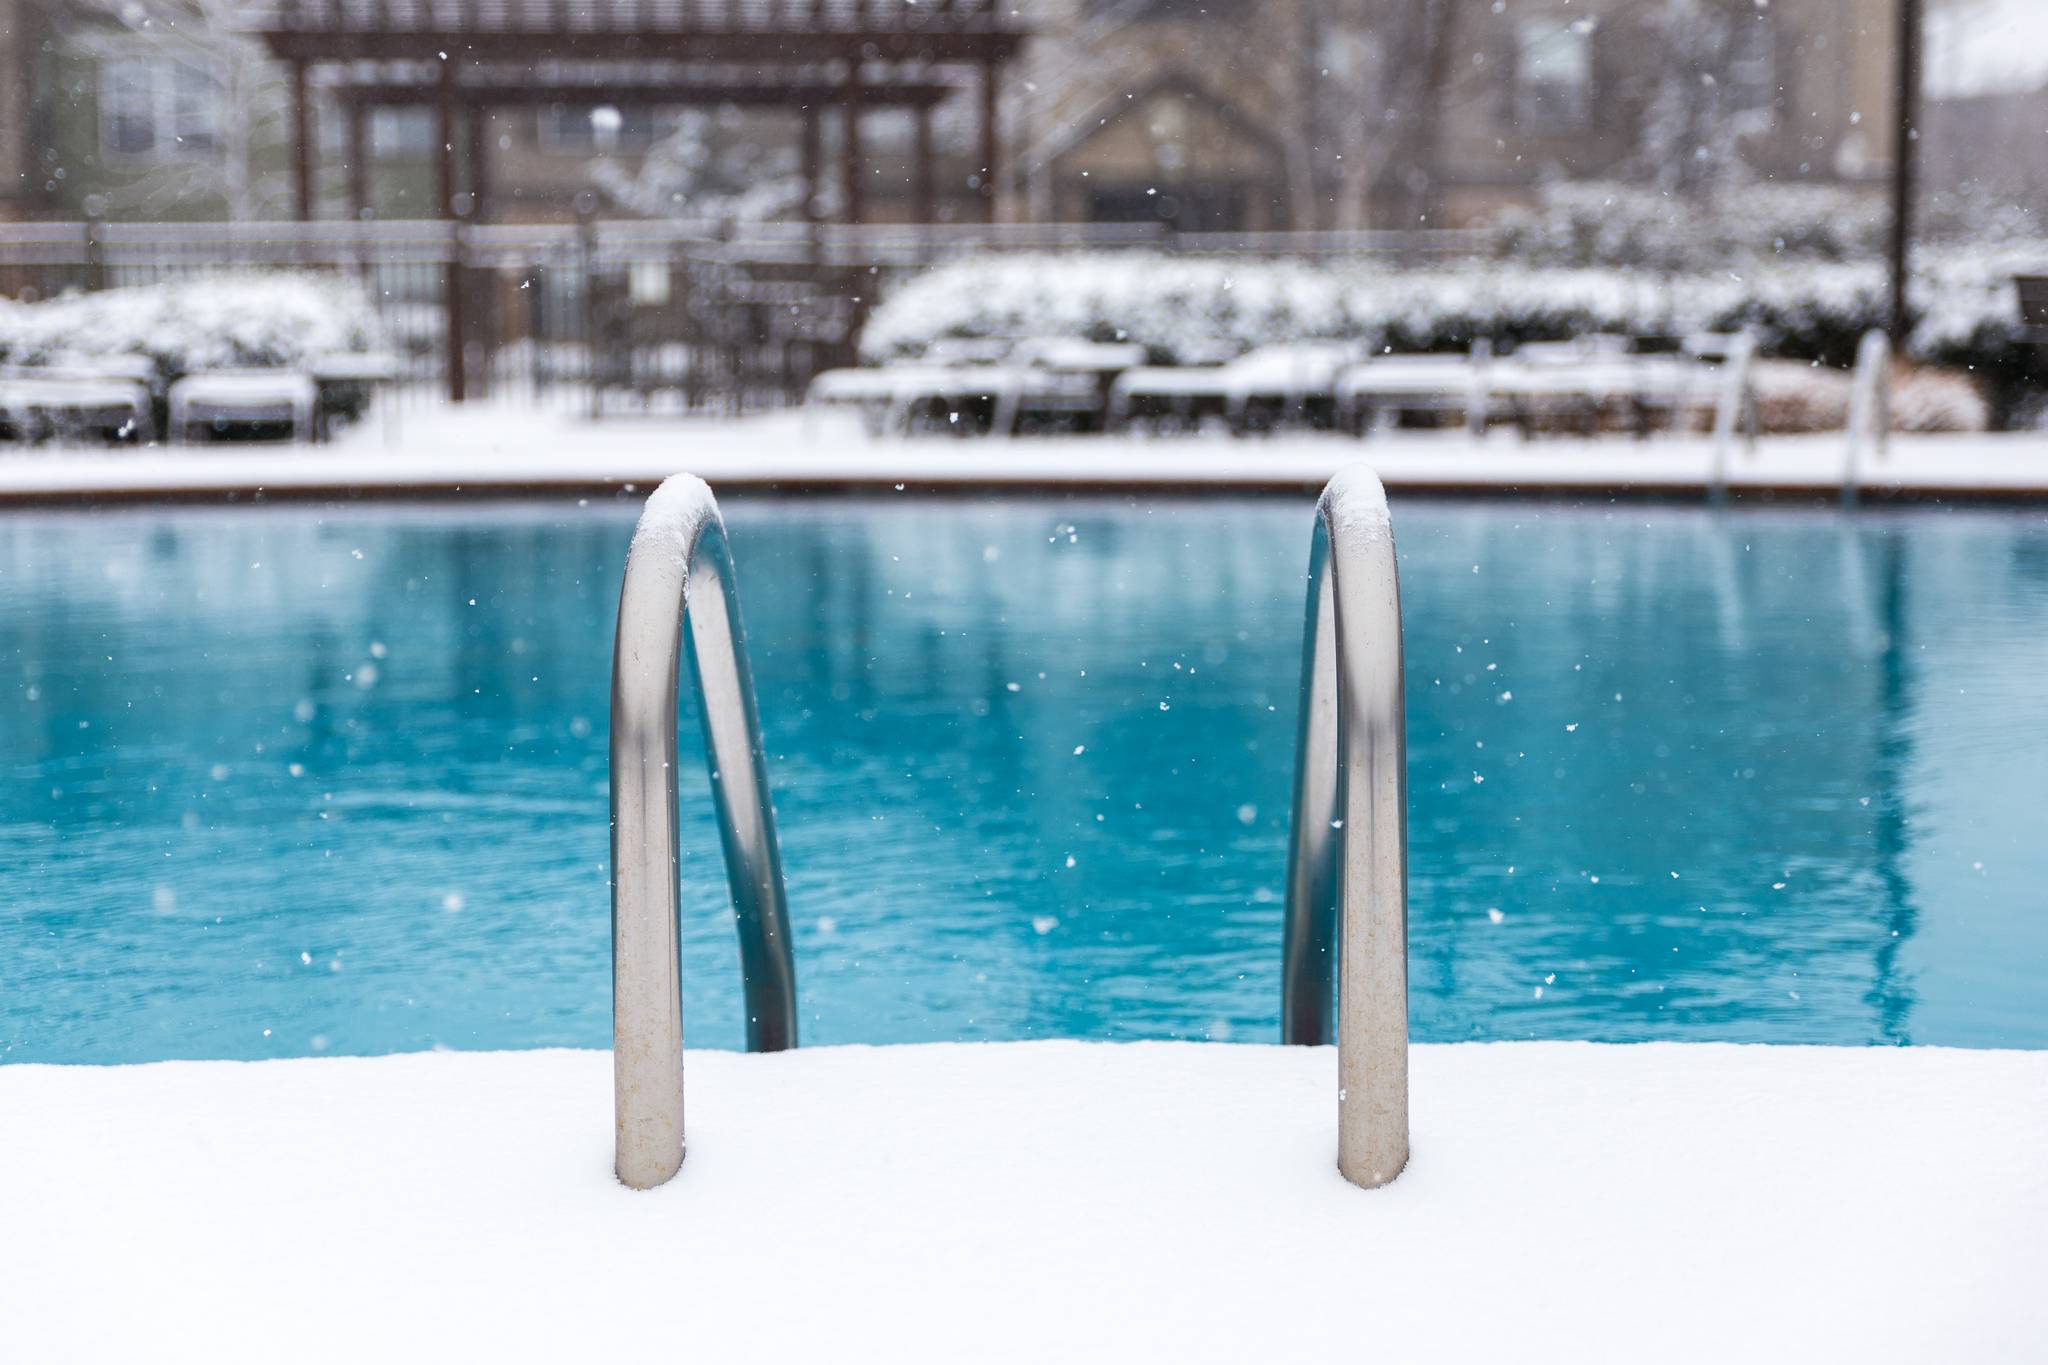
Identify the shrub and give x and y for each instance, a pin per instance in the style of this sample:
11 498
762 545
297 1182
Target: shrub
1184 309
195 323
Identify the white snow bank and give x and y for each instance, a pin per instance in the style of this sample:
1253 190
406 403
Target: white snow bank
1039 1201
489 448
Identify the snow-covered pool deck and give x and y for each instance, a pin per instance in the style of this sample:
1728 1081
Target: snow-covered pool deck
1036 1201
511 449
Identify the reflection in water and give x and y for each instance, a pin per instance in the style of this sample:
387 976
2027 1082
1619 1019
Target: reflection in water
286 781
1891 998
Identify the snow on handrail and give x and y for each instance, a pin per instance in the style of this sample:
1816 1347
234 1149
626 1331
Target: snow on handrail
679 571
1347 865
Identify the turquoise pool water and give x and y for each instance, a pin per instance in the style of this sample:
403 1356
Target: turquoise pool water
290 781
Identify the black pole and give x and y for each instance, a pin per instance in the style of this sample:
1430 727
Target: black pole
1904 149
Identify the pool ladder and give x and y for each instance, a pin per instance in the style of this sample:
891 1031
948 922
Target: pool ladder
678 576
1347 871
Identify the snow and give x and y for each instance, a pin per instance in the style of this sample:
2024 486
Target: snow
486 448
1185 307
1986 47
236 388
1033 1201
675 516
1357 503
205 322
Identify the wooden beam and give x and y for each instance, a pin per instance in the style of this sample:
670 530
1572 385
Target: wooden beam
797 48
767 95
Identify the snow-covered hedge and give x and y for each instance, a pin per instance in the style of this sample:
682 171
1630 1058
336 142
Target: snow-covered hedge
194 323
1189 308
1596 224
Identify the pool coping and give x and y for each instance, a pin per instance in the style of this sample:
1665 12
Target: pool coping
504 453
1148 1201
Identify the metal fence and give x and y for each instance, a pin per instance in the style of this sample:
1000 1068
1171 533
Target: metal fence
612 313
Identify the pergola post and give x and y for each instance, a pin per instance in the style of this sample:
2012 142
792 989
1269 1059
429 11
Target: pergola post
446 187
358 163
811 173
921 206
302 144
991 146
1905 134
852 181
479 163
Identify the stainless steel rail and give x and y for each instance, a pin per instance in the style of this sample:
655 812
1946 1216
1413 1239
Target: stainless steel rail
1735 406
1870 410
1348 857
679 573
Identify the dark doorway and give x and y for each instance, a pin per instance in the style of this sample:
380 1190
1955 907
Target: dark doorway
1184 208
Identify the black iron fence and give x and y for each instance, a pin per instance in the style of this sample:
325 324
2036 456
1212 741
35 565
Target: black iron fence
611 313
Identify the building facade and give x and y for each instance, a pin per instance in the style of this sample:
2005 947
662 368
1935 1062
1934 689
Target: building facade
1256 114
1225 115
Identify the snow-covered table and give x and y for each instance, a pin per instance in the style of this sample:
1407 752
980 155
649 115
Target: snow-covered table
1033 1202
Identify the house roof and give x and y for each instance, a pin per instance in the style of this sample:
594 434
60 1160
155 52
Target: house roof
1076 132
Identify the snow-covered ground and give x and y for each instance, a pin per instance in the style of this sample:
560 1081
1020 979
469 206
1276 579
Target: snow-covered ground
1034 1201
507 447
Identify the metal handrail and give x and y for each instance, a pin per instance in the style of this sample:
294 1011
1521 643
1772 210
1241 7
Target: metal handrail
1348 855
1870 409
679 563
1735 405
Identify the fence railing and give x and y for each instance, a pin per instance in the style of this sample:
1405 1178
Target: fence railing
733 316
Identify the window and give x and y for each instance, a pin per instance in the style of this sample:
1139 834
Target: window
1752 66
606 128
158 109
1554 72
401 132
1163 11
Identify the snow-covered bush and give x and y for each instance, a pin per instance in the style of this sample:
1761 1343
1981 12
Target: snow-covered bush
195 323
1608 224
1926 399
1795 396
1184 309
1799 395
1180 307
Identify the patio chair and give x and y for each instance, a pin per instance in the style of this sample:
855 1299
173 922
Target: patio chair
252 401
346 382
40 403
1293 384
1385 386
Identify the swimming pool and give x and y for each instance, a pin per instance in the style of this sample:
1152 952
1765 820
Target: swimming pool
289 781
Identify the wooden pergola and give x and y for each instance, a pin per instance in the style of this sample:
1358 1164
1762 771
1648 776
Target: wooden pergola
463 58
